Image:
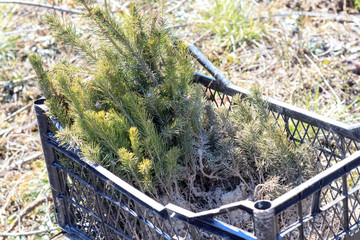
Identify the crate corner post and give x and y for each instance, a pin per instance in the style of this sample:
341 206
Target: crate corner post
50 158
264 221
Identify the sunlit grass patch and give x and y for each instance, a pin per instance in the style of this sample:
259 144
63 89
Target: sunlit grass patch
27 190
232 22
7 42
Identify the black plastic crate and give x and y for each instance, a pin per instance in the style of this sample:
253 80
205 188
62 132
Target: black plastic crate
93 203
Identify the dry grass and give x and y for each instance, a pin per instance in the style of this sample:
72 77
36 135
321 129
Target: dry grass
24 201
309 62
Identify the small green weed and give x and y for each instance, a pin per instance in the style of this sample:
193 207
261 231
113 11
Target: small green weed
7 43
356 4
232 22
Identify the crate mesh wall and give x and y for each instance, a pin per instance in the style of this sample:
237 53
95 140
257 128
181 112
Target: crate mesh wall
97 208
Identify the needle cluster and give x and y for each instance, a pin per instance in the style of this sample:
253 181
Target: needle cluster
135 110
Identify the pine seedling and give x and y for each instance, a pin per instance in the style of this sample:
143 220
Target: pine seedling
136 103
262 150
56 103
135 110
66 32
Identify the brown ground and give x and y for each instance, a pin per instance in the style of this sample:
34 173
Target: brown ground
307 61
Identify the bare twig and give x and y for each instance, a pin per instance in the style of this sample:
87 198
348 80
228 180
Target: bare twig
9 199
18 81
323 78
258 189
25 31
176 7
9 159
18 111
28 210
211 176
25 160
237 174
335 17
201 37
26 233
178 26
43 6
194 191
18 222
200 153
5 132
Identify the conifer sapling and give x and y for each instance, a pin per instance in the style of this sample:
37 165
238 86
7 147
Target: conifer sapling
134 109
